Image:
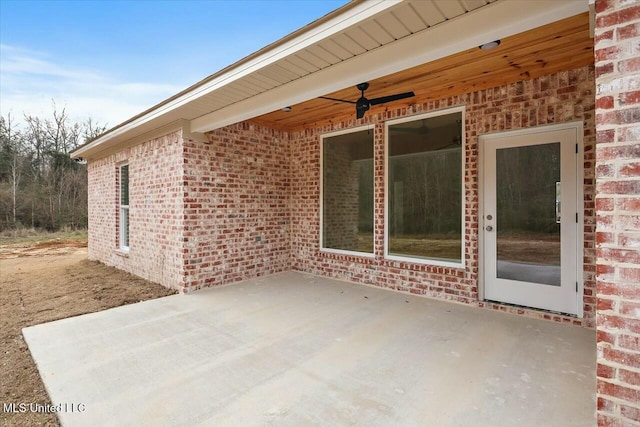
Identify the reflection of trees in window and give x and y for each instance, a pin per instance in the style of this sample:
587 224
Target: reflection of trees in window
425 188
526 188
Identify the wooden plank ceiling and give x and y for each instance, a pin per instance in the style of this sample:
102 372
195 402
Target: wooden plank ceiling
562 45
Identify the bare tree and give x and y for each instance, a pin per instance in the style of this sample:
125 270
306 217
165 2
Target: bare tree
92 129
40 184
13 152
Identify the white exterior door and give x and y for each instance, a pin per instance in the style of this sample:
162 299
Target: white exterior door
530 218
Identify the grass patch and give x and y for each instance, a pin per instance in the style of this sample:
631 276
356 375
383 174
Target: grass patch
30 235
434 248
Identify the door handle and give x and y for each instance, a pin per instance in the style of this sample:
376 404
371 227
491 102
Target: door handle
489 228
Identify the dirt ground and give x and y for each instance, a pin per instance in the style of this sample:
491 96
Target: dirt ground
45 281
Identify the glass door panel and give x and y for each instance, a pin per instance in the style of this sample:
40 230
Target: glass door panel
528 231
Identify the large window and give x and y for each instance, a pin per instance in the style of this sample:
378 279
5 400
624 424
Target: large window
424 188
124 206
347 192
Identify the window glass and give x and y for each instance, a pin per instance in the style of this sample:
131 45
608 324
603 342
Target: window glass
125 227
124 184
124 206
424 185
347 192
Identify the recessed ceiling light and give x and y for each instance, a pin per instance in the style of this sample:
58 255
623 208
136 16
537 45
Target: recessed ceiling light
490 45
287 109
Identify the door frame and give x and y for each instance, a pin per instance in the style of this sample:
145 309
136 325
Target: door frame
579 129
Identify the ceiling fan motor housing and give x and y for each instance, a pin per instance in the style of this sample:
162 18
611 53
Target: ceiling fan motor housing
362 106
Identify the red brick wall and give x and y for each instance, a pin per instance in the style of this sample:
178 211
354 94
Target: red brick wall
155 212
247 203
561 97
617 55
236 218
200 214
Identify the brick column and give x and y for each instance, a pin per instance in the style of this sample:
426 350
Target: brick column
617 61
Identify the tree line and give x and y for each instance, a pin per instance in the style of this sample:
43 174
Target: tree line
425 193
40 185
526 180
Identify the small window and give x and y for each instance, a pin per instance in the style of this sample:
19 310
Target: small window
425 188
124 207
347 192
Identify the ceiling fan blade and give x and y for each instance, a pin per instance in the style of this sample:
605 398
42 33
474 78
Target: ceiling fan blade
336 99
389 98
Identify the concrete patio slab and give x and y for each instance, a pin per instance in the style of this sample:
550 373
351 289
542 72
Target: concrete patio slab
298 350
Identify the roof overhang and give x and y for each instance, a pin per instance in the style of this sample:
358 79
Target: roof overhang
317 60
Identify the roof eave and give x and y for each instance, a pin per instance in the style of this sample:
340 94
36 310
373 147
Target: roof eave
335 21
494 21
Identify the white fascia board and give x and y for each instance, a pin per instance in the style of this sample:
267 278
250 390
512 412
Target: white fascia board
492 22
112 145
356 14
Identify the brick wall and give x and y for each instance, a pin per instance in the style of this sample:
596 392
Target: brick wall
617 55
247 203
236 218
557 98
200 214
155 200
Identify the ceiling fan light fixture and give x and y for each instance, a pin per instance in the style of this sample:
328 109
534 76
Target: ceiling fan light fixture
490 45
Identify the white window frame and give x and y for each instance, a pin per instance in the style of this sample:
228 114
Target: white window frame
321 236
418 260
122 209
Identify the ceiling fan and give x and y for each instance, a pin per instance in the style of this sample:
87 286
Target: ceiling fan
363 104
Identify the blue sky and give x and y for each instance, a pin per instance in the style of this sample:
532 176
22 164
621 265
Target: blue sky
110 60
